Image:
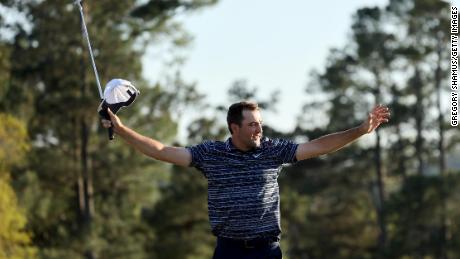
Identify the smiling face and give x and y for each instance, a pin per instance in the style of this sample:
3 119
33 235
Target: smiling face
248 135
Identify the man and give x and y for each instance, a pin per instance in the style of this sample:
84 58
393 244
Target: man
242 172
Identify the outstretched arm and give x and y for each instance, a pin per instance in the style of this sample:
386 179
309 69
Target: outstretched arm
336 141
148 146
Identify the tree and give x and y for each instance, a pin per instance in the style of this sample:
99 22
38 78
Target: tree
15 240
375 56
420 47
83 194
393 57
328 212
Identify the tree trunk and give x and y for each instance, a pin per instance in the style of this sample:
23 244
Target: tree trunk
417 85
401 158
88 206
88 212
442 159
380 187
87 181
380 208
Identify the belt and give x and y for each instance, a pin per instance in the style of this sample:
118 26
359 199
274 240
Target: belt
248 243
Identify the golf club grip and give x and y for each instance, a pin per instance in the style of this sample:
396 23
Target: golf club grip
110 130
103 112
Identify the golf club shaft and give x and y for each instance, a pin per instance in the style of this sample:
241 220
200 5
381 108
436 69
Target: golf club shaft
93 63
85 32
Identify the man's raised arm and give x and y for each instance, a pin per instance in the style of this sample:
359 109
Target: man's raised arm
336 141
148 146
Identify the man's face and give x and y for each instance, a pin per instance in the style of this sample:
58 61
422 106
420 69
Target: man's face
250 131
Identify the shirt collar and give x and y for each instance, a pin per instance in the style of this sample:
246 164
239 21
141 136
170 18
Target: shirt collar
230 147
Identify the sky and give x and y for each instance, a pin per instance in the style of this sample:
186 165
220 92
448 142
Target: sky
271 44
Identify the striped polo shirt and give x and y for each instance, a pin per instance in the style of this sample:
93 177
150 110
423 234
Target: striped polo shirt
243 192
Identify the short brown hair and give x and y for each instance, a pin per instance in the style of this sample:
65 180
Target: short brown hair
235 112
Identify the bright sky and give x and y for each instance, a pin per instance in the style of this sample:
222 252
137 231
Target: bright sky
272 44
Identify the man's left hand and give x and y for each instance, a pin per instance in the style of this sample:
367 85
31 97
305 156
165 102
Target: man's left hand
377 116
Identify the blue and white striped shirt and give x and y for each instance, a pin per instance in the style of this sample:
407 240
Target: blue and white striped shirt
243 192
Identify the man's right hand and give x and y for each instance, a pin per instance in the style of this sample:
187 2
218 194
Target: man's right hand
114 121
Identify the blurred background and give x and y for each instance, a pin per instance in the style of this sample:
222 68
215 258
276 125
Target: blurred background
68 192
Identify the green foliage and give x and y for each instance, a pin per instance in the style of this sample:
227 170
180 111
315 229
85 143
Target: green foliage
4 70
327 209
180 219
15 240
156 10
13 141
424 197
389 60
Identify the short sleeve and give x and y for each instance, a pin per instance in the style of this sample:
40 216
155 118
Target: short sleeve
199 153
284 150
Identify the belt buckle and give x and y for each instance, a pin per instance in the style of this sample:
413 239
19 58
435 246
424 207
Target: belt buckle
247 244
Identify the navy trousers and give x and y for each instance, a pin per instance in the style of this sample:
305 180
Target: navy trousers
231 250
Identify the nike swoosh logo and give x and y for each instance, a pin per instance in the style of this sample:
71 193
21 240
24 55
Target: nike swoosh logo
256 155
